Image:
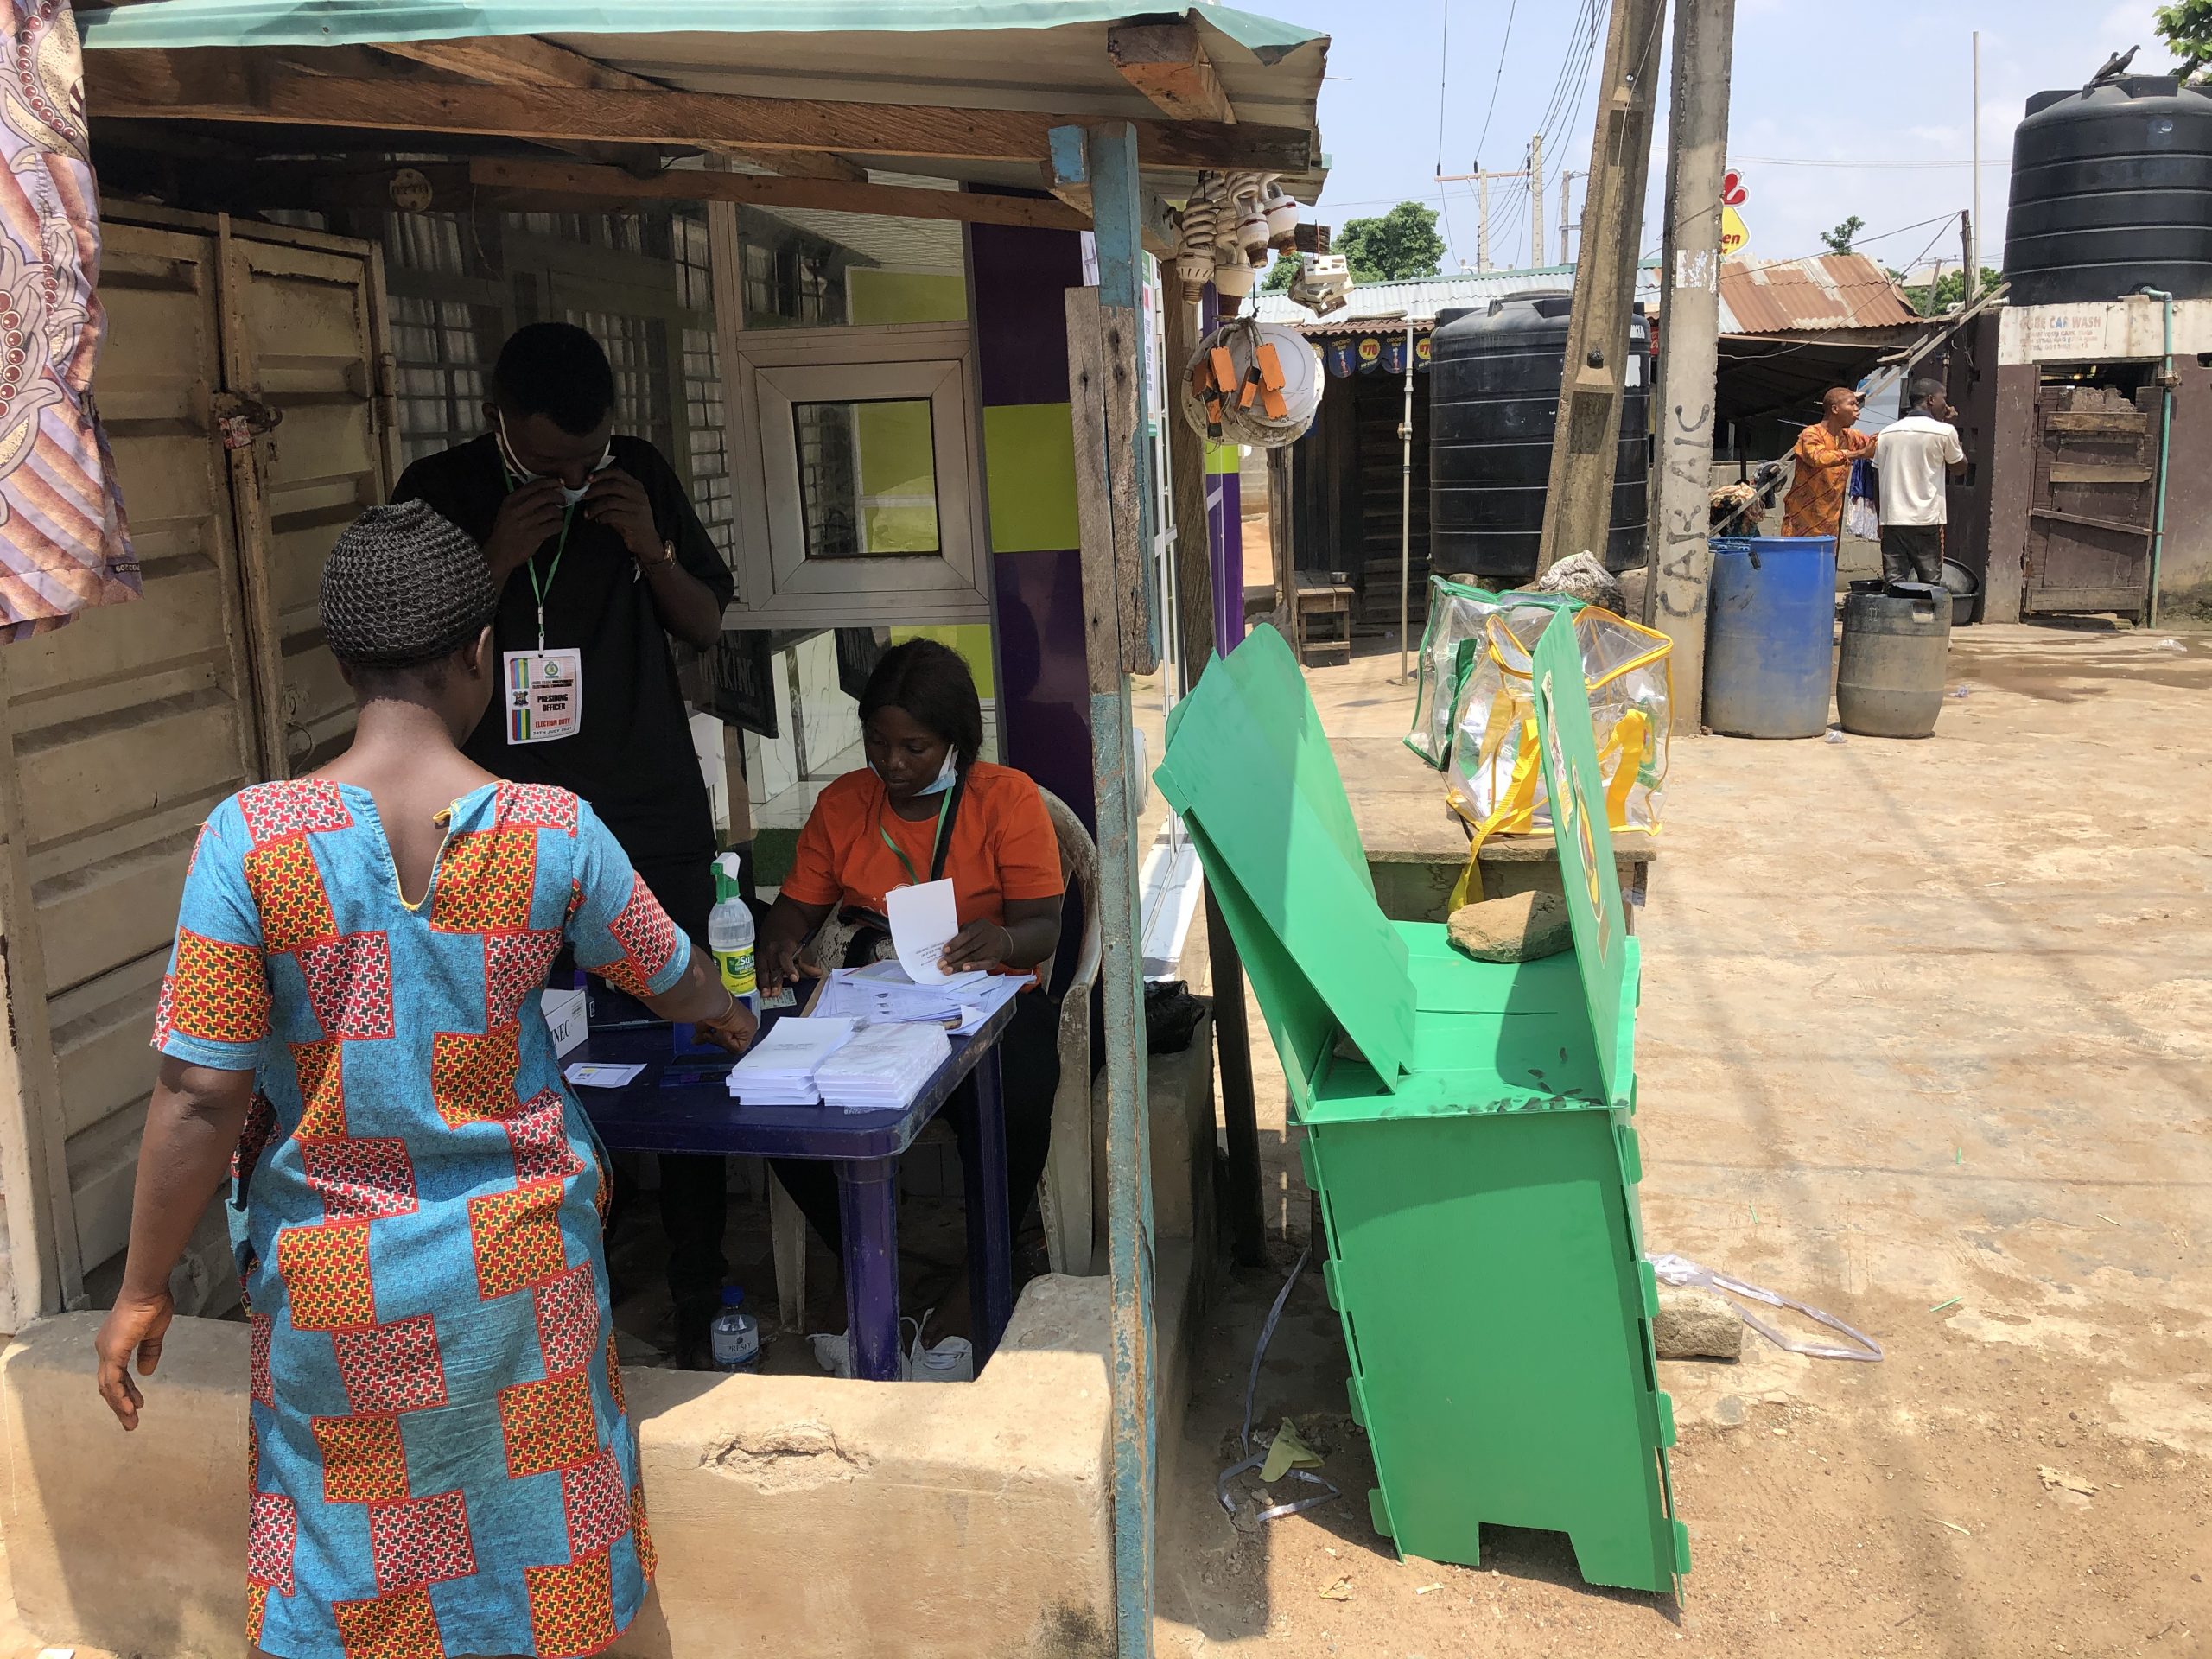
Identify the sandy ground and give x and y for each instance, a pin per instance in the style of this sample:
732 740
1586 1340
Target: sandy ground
1925 1040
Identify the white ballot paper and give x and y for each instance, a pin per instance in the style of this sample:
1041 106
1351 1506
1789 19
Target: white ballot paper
923 922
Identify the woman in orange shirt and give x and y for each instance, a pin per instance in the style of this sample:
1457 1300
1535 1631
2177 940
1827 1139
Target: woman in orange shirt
925 808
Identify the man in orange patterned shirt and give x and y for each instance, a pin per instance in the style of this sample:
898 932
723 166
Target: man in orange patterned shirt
1824 454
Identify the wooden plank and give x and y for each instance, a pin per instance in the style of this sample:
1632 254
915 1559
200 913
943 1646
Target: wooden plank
2088 523
1112 479
44 1267
526 60
212 85
1167 62
567 179
2085 471
2010 468
2098 421
250 512
1101 610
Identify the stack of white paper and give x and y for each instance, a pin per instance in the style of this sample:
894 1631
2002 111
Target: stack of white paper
883 1067
779 1070
881 991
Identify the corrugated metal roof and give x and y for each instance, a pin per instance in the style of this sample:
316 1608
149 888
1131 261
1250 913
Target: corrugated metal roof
1047 56
1422 297
1836 290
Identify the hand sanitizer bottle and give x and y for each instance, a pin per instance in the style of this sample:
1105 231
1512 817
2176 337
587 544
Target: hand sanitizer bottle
730 933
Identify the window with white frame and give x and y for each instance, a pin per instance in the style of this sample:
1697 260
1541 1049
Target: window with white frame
856 453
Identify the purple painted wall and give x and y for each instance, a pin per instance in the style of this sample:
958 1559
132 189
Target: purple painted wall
1021 279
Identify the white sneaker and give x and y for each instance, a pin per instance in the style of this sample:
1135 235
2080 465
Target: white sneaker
952 1360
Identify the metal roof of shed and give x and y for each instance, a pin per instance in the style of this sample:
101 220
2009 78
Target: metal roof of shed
1834 292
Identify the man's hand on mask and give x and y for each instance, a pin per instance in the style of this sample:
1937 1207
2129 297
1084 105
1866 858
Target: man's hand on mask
528 519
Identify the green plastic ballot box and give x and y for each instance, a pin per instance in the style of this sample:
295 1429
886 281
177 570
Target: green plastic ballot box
1467 1127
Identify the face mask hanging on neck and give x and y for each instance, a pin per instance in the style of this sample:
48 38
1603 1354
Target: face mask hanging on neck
945 775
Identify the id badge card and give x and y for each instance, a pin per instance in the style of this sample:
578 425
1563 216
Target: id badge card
544 694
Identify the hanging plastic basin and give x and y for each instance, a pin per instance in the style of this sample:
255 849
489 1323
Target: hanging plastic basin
1769 636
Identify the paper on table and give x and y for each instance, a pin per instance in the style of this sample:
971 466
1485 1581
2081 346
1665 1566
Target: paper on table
587 1076
923 922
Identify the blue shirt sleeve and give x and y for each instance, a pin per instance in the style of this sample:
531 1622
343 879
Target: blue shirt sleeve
215 997
619 929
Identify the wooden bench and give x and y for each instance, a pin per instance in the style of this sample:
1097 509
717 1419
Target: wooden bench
1320 617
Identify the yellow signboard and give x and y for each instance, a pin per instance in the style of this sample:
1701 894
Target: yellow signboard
1734 237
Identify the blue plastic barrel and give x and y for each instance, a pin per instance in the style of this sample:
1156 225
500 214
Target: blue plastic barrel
1770 633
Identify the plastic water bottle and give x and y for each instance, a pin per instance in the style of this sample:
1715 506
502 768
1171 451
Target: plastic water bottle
734 1338
730 933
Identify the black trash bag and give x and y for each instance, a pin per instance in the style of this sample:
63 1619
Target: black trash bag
1172 1016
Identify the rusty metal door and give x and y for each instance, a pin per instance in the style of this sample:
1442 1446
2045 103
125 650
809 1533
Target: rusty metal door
2089 519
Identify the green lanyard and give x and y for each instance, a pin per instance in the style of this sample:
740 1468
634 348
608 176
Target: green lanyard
935 843
539 589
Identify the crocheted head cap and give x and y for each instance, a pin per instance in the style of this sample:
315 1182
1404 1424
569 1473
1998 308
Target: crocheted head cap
404 587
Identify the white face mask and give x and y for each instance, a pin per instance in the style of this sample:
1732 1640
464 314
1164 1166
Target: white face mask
523 475
946 773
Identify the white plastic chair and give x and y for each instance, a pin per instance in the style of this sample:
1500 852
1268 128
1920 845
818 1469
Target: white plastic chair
1065 1194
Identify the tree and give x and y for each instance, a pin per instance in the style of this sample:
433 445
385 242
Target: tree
1947 292
2186 28
1282 274
1841 238
1402 243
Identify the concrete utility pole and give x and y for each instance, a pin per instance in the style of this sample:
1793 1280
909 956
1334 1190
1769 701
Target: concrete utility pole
1579 498
1697 148
1536 200
1482 222
1973 247
1566 179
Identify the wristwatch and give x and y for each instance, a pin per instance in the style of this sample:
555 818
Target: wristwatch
667 556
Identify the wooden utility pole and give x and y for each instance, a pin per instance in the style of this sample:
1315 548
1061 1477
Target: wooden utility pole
1579 498
1481 178
1971 287
1697 148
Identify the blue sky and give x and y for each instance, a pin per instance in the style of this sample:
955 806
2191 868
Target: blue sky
1844 85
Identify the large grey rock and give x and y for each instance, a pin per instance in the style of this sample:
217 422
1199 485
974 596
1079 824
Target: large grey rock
1524 928
1695 1324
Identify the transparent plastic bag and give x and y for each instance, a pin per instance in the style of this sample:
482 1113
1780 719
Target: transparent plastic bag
1448 647
1495 776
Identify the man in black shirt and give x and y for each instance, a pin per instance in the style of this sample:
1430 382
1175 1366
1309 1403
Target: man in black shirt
598 557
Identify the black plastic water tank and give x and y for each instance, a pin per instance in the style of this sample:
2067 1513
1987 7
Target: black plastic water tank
1493 403
2112 189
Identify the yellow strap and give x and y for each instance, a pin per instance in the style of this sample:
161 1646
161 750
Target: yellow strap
1630 734
1516 810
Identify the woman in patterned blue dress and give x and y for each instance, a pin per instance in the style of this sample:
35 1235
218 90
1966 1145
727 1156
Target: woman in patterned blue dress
441 1463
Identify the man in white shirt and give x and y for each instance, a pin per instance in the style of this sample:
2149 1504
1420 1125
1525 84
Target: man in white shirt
1912 455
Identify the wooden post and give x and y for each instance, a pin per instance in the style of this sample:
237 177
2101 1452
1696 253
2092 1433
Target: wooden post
1106 367
1578 495
1194 582
1282 529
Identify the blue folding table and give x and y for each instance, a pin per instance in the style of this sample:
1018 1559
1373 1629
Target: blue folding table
682 1104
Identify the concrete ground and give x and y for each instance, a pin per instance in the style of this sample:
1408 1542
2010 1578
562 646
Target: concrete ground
1925 1038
